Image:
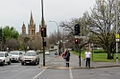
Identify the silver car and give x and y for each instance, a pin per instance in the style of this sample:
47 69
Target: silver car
15 55
31 57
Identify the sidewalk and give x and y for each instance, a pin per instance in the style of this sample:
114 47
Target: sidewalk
57 62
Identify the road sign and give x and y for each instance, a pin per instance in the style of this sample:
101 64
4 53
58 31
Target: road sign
117 36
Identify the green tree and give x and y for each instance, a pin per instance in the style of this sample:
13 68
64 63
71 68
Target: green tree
8 33
101 22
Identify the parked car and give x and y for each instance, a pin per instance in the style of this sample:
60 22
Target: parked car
31 57
4 58
22 54
47 52
15 55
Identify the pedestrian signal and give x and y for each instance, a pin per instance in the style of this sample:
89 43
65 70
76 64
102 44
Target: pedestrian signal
76 29
76 41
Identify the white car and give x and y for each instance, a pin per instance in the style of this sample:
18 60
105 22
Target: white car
4 58
47 53
15 55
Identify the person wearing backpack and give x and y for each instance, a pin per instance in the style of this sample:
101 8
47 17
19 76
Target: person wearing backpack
67 58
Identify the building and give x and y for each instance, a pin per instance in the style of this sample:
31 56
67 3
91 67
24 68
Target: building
32 34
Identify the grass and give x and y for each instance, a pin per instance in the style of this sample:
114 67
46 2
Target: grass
99 57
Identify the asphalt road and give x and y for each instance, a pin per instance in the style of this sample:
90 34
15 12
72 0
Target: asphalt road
16 71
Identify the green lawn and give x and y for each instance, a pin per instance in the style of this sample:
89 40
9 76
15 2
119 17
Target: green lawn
100 57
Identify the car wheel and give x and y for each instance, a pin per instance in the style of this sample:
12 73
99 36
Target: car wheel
9 62
37 62
3 63
22 63
18 60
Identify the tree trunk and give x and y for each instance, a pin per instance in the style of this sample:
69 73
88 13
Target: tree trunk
109 56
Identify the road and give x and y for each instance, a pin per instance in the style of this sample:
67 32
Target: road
16 71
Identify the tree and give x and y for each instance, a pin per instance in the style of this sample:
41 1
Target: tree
101 23
35 44
7 34
69 28
12 44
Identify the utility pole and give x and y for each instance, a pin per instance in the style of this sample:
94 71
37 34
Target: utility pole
116 31
43 26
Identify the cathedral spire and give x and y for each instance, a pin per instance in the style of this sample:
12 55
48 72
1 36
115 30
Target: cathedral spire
23 29
31 19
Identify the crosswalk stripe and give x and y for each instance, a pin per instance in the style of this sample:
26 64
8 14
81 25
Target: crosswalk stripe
71 75
39 73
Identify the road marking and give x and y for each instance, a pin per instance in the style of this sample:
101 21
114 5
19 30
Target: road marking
39 74
71 75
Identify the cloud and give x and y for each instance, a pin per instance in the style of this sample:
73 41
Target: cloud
15 12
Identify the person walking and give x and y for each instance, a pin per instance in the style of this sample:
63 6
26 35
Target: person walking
67 58
63 56
87 58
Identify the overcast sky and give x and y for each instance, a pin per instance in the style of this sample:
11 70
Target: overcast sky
15 12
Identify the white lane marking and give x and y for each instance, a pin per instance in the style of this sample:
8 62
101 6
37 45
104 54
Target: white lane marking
39 74
71 75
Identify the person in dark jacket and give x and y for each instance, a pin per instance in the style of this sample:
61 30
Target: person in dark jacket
67 58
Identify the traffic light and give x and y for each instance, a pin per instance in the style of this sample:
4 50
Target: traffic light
76 29
76 41
43 32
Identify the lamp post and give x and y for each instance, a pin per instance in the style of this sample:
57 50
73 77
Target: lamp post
58 35
43 25
116 31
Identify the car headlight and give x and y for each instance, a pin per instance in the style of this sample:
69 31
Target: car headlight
33 59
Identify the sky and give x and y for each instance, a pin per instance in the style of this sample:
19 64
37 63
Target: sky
15 12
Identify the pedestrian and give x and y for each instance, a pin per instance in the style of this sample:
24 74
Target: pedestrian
87 57
63 56
67 58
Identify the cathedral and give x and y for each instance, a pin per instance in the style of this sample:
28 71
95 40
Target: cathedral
32 34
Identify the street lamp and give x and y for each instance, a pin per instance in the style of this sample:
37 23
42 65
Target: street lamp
58 34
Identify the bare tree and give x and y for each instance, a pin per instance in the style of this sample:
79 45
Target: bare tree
101 22
12 44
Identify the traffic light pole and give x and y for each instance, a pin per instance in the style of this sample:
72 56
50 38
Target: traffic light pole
43 34
79 56
76 33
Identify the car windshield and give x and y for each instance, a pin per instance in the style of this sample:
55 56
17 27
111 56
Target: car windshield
2 54
14 53
30 54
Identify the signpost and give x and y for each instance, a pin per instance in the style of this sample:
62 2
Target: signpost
117 38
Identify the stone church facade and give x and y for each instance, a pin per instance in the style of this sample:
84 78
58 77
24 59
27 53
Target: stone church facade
32 34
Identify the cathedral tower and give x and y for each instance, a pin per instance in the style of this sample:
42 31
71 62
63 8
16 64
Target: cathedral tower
23 29
31 28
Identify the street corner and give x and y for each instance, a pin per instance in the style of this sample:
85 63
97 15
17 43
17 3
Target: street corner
60 67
